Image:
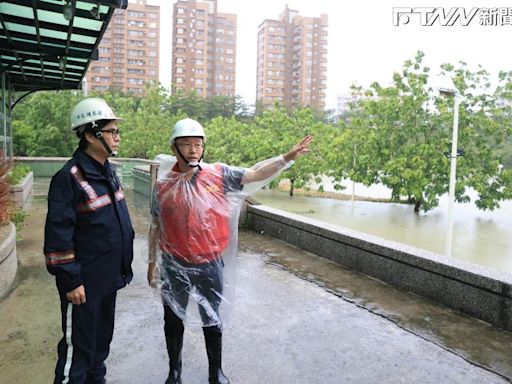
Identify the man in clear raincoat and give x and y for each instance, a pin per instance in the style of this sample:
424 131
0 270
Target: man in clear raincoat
193 238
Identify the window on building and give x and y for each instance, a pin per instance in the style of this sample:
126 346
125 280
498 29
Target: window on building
136 52
136 23
134 33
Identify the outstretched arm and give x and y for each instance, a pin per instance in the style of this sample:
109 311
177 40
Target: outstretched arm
272 167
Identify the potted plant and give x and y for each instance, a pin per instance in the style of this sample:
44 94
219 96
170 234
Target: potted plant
8 261
5 201
21 179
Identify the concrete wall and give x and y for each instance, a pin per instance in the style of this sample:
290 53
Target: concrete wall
475 290
8 261
20 192
142 179
43 166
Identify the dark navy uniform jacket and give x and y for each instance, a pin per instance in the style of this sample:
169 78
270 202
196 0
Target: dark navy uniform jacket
88 232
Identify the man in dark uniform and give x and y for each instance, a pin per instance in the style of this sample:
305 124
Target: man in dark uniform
88 244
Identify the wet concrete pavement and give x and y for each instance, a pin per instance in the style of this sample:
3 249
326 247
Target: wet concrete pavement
297 319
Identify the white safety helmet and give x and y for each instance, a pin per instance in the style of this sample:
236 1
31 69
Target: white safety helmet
187 128
89 110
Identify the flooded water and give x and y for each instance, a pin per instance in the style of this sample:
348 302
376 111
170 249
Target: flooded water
479 237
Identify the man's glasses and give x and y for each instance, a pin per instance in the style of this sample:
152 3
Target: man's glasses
112 131
189 146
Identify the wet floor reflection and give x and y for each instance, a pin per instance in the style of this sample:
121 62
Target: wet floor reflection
472 339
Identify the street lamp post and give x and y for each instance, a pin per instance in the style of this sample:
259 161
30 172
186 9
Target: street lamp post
452 91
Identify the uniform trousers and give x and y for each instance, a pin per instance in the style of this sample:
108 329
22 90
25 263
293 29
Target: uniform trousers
87 332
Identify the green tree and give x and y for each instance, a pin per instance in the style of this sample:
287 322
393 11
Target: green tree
24 138
187 103
276 131
485 124
412 127
44 129
503 97
146 129
226 142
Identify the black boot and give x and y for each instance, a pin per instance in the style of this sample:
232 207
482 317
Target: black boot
174 350
213 340
173 328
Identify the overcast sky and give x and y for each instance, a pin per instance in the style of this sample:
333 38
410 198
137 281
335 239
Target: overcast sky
363 44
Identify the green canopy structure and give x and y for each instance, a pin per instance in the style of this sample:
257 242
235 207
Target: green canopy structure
47 45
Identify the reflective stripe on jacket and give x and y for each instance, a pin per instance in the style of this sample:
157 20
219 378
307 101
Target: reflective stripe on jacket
88 231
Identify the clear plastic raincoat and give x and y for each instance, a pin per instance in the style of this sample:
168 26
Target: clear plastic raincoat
195 226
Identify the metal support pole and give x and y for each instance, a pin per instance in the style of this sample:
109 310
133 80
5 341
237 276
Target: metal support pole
453 176
353 183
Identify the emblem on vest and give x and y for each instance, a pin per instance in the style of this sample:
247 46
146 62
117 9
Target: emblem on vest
212 188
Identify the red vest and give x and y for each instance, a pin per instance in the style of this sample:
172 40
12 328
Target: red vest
194 215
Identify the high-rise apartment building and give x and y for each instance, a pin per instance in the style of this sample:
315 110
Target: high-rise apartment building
129 50
203 48
292 61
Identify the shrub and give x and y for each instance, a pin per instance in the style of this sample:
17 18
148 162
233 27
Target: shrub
5 198
18 173
18 217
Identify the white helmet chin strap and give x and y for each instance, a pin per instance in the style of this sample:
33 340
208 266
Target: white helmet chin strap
191 164
99 135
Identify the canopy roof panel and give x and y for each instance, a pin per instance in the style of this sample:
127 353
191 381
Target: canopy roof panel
48 44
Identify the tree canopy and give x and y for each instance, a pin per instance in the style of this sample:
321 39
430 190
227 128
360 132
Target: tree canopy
398 135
